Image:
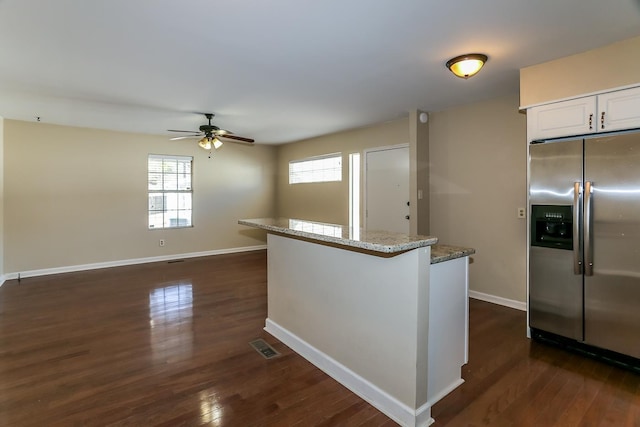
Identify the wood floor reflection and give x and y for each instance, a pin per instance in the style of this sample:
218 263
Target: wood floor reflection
162 344
166 344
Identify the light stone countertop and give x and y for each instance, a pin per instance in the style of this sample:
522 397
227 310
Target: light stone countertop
384 242
377 241
442 253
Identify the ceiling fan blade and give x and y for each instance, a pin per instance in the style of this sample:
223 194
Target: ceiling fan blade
237 138
184 137
184 131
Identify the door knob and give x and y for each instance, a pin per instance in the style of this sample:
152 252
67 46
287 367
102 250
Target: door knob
406 217
408 203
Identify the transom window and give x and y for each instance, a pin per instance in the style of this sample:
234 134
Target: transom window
325 168
170 192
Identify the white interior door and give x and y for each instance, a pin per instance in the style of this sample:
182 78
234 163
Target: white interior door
387 189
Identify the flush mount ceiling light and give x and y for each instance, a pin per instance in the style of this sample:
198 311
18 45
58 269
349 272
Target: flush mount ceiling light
465 66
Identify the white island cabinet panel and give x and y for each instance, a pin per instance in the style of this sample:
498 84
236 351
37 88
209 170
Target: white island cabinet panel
448 321
377 311
342 303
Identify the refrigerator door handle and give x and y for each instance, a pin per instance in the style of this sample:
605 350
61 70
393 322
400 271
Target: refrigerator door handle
577 261
588 250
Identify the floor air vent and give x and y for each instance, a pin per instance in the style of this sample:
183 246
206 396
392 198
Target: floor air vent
264 349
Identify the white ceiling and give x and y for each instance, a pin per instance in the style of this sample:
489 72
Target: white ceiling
277 70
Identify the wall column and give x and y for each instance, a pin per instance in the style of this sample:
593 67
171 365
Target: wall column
419 174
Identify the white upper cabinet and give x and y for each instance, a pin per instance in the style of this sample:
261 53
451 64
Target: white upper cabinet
602 113
619 110
565 118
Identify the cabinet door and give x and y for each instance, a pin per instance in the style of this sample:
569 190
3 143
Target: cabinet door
619 110
566 118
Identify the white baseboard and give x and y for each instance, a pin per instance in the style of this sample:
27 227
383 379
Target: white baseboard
385 403
518 305
120 263
435 399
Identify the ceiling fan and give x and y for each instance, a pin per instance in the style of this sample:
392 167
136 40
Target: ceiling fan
210 135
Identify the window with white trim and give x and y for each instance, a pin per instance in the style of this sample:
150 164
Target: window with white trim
325 168
170 191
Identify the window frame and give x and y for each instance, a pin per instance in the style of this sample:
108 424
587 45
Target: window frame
317 171
174 194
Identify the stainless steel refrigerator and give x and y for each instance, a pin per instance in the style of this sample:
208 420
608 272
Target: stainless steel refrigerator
584 255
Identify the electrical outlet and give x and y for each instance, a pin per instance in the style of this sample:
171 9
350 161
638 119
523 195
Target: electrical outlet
161 242
521 213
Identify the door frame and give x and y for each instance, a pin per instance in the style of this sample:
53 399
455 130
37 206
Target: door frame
365 153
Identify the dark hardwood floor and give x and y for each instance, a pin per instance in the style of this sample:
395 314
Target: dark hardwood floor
166 344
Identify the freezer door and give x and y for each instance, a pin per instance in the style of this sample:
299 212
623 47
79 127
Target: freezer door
612 293
555 290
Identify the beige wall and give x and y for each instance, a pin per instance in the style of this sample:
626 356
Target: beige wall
478 180
475 160
75 196
329 202
596 70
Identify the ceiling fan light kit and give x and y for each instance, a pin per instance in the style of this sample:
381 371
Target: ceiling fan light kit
207 142
465 66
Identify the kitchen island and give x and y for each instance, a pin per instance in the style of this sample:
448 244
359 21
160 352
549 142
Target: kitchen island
385 314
